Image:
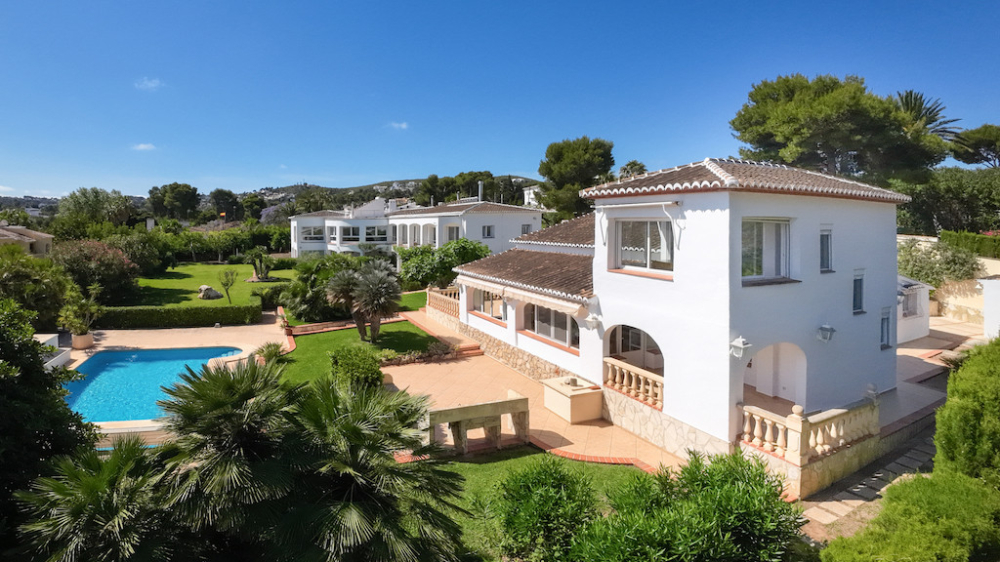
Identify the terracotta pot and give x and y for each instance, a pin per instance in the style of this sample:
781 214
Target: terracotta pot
85 341
288 330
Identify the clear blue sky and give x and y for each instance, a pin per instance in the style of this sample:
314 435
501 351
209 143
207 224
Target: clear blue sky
242 95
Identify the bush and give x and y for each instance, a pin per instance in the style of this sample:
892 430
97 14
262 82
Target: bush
357 366
91 262
968 425
132 317
947 517
726 508
236 260
541 508
35 284
150 251
285 263
938 263
424 265
978 244
273 352
270 294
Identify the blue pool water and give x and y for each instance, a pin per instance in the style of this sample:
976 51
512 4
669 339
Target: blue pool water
125 385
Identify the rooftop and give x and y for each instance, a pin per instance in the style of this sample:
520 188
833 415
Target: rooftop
477 207
566 276
578 233
713 174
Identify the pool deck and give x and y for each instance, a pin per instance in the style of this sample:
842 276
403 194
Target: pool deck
247 338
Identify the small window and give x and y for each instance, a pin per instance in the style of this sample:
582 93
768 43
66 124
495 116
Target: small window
525 228
453 233
488 231
350 234
885 328
764 249
911 304
331 233
645 245
858 304
489 304
312 233
826 251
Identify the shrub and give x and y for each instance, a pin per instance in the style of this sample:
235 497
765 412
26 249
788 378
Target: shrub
91 262
236 260
150 251
540 508
947 517
273 352
968 425
270 294
132 317
938 263
423 265
357 366
979 244
285 263
35 284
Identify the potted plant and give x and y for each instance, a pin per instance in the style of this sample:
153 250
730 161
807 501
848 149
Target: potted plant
79 314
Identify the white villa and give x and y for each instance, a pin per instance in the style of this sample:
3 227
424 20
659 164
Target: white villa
716 305
382 222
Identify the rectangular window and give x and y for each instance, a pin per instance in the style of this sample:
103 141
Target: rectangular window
489 304
488 231
402 234
645 245
557 326
764 249
525 228
886 328
376 233
858 304
826 251
453 232
911 304
312 233
350 234
392 233
331 233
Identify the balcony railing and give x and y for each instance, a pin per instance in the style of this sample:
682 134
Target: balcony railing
445 300
643 385
797 438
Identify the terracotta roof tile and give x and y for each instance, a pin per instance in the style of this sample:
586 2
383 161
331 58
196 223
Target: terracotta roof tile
477 207
562 275
578 232
738 175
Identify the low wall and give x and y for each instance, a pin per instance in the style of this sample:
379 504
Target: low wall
523 362
671 435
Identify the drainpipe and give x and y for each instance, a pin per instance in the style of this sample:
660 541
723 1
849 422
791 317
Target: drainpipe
480 190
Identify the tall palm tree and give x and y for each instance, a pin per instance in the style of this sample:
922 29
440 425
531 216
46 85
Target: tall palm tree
340 291
631 168
102 508
376 295
925 115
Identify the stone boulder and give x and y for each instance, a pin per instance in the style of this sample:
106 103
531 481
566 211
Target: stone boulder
206 292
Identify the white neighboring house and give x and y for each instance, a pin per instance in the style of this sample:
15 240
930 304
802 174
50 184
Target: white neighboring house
382 222
696 292
57 356
913 320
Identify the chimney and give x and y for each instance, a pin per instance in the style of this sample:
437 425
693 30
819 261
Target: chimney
480 190
432 200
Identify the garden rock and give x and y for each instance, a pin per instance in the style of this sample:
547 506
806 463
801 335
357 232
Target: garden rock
206 292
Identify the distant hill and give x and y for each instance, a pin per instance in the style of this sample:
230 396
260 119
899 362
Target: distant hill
27 202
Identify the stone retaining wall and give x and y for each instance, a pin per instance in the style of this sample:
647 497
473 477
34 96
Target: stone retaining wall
523 362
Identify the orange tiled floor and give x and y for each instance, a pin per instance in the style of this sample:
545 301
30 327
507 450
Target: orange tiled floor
482 379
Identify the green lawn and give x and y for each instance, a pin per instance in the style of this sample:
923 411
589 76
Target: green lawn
483 472
413 301
309 360
179 286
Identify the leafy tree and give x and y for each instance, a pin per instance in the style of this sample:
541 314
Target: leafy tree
97 205
91 263
312 200
435 189
253 205
306 297
925 116
424 265
180 200
17 217
979 146
227 278
37 424
35 284
937 263
834 126
632 168
951 199
568 167
225 201
261 262
149 250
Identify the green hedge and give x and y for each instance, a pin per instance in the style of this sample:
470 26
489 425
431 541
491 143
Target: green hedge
131 317
270 294
979 244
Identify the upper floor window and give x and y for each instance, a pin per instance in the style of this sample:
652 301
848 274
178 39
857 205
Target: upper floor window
764 249
488 231
453 233
885 328
350 234
489 304
312 233
377 233
645 245
525 228
553 325
331 233
826 251
858 304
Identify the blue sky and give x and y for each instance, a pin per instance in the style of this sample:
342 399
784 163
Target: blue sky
242 95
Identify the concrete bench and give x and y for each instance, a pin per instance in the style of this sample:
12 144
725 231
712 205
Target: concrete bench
487 416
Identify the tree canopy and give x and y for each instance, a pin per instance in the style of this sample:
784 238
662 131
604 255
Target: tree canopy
979 146
97 205
225 201
568 167
839 127
951 199
175 200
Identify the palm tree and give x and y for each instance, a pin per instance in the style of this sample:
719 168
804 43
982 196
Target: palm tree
376 295
103 508
925 115
631 169
340 291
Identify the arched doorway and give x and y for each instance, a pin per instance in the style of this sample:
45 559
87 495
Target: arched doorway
778 371
635 347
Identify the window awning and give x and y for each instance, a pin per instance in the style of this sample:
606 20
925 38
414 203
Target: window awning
521 295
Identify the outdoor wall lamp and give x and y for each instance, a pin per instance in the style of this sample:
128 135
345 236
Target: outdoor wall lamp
825 332
591 321
738 346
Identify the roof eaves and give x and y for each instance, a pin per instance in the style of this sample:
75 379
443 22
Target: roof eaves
541 243
557 294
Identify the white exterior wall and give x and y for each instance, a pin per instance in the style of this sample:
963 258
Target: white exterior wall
991 307
506 227
919 325
836 372
688 317
338 246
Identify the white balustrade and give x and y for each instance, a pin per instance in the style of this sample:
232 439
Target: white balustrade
445 300
643 385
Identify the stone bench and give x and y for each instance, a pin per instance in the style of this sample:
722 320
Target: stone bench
487 416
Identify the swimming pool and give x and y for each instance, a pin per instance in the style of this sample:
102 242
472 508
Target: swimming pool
125 385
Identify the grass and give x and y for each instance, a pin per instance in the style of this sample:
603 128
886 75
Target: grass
179 286
309 360
413 301
482 473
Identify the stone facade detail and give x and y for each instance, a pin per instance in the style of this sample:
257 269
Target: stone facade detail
670 434
523 362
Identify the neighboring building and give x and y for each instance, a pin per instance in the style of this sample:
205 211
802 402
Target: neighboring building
531 196
35 243
382 222
913 319
708 300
